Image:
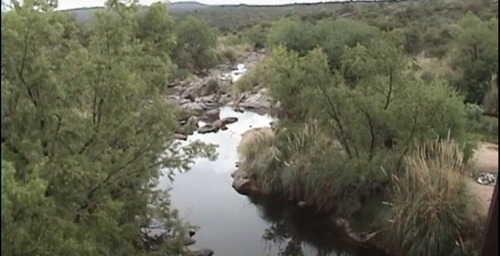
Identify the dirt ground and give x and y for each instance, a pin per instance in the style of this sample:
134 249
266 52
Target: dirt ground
486 161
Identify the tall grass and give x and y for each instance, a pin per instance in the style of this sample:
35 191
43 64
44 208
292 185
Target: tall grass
433 212
261 160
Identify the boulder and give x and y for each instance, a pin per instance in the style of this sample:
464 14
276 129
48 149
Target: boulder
201 88
194 107
212 114
180 136
229 120
243 184
257 101
207 129
203 252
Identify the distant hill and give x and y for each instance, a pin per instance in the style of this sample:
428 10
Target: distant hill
85 14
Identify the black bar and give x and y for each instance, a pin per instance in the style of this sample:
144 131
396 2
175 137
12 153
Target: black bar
490 240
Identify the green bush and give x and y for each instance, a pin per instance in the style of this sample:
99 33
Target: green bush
433 211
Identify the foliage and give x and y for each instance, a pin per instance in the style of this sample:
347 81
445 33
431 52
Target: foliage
483 126
433 211
195 44
344 134
85 131
475 55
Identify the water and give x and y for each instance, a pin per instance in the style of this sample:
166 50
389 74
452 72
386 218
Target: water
234 225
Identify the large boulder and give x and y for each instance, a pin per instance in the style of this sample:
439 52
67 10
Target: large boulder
243 184
212 114
201 88
193 107
258 100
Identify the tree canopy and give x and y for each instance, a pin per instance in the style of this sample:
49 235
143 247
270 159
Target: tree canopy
86 132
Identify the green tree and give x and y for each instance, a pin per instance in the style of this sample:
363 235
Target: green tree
294 35
195 44
475 56
85 131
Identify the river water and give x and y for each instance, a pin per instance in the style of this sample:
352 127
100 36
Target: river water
234 225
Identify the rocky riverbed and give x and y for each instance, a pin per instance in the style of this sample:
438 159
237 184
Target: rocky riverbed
201 98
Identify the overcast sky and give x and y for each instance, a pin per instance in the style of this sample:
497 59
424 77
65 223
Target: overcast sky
70 4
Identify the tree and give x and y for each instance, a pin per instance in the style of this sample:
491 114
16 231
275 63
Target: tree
195 45
475 56
85 131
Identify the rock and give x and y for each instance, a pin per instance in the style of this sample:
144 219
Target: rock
207 129
239 110
191 232
217 124
242 184
203 252
229 120
189 241
180 136
257 101
210 87
223 128
193 106
212 114
201 88
214 98
301 204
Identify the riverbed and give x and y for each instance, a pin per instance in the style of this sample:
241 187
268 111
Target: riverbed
233 225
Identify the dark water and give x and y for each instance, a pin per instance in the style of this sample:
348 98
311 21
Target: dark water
234 225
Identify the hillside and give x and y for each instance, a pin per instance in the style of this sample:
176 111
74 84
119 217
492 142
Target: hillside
85 14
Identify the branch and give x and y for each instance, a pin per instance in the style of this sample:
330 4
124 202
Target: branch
334 115
372 134
390 90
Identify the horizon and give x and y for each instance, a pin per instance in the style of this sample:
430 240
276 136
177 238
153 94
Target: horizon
72 4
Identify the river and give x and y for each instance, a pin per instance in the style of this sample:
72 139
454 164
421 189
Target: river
233 225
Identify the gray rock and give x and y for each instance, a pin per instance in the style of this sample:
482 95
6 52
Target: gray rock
203 252
210 87
207 129
180 136
239 110
189 241
301 204
243 184
194 107
212 114
257 101
229 120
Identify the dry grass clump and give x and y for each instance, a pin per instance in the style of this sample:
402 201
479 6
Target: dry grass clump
433 212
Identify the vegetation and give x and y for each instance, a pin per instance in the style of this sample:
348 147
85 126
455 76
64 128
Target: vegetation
381 108
85 129
366 118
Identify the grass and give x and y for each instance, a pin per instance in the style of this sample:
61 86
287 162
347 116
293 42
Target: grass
433 212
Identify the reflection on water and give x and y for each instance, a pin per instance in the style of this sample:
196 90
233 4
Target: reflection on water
305 231
234 225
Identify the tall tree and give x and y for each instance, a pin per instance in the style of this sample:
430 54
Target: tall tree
85 131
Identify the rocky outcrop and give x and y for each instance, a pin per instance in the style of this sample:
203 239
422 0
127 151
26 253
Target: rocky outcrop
243 184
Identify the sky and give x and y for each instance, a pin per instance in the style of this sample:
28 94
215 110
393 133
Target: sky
71 4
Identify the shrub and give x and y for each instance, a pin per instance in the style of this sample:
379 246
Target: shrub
433 212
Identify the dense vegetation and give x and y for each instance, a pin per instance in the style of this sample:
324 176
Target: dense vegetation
381 107
377 126
86 129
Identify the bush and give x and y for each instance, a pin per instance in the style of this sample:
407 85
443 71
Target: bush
433 212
